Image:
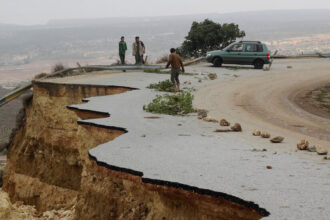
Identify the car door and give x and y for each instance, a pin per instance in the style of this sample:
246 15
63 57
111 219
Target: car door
250 53
232 54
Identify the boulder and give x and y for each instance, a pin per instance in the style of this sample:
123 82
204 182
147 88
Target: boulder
256 132
224 122
210 119
321 150
277 139
265 135
303 145
237 127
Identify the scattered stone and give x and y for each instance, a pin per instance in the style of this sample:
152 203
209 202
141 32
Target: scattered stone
265 135
303 145
258 150
275 153
237 127
199 80
269 167
143 135
179 124
224 122
210 119
223 130
311 148
278 139
289 67
326 158
202 113
256 132
187 82
266 68
321 150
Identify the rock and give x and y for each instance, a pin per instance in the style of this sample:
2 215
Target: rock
143 135
202 113
321 150
289 67
266 68
199 80
278 139
237 127
209 119
269 167
311 148
303 145
265 135
256 132
224 122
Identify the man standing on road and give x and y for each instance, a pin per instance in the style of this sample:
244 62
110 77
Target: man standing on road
138 50
176 64
122 50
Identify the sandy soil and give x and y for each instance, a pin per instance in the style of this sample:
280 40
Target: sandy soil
264 100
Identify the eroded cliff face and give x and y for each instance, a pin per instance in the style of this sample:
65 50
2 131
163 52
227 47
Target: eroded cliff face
49 167
49 152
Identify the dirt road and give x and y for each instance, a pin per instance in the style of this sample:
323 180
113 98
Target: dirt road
264 100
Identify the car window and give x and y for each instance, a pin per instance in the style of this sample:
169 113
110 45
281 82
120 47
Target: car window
237 48
259 48
250 48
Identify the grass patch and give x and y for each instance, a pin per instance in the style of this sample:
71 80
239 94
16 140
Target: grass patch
164 86
171 104
160 71
212 76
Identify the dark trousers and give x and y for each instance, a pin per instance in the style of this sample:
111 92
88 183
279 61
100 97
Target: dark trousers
139 59
122 58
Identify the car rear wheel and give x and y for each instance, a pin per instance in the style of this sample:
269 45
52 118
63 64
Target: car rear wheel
258 64
217 62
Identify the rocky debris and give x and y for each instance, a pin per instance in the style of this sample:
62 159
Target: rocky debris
278 139
256 132
143 135
223 130
199 80
269 167
201 113
326 158
303 145
224 122
265 135
187 83
311 148
266 68
289 67
320 150
210 119
237 127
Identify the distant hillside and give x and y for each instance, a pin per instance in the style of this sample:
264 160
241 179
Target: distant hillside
92 38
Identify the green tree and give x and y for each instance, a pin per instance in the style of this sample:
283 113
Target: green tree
208 35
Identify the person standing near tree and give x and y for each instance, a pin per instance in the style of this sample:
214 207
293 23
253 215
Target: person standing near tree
138 50
122 49
176 65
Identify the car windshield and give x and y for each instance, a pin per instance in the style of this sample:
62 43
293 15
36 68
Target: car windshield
229 46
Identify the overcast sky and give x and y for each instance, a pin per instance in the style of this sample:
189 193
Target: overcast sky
41 11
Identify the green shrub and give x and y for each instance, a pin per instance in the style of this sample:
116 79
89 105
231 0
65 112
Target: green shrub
171 104
166 86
